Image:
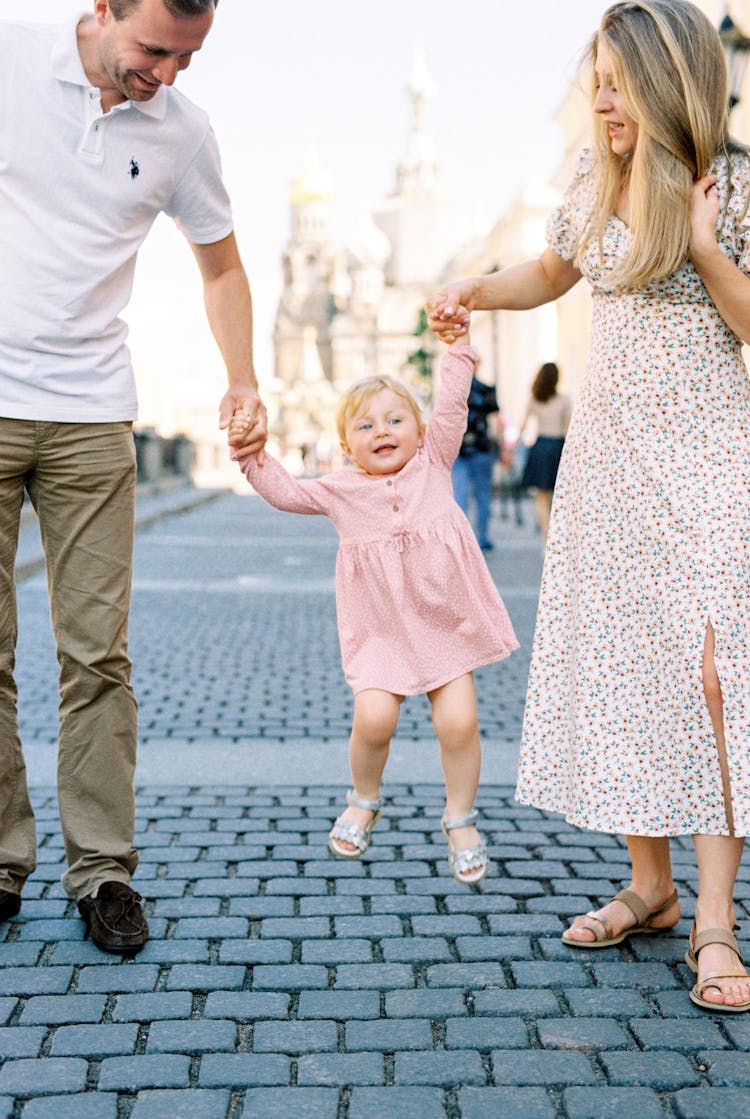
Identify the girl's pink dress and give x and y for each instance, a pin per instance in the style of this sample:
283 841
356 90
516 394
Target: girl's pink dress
416 604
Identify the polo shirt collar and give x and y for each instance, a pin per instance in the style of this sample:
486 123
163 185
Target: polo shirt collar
67 67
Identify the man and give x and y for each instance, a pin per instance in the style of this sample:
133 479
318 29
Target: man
93 145
473 469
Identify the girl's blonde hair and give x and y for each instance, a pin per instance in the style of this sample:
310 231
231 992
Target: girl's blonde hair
357 396
670 69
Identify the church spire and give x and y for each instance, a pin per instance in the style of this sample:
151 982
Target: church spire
418 173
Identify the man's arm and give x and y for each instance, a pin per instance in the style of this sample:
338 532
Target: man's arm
229 308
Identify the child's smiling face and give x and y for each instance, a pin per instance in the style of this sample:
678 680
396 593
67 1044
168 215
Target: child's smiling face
383 435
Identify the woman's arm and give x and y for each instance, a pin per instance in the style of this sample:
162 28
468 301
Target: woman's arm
727 285
517 288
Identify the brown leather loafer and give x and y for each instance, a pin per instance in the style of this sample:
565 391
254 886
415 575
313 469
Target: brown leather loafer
9 904
114 918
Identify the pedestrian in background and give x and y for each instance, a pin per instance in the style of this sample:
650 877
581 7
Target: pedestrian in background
550 410
95 145
417 608
638 706
473 470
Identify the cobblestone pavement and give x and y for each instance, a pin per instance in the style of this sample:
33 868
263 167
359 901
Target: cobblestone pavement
279 981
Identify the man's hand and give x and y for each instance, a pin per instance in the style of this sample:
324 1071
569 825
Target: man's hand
249 436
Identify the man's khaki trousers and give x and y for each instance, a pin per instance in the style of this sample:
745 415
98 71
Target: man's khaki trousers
81 480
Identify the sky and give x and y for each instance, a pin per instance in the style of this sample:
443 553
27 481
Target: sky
290 77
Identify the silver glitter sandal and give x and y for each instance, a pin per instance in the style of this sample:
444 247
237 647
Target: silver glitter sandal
353 833
473 859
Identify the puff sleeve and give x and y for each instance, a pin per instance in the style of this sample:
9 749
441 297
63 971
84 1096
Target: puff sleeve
567 222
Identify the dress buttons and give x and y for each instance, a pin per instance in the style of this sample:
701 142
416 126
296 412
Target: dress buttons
395 508
389 482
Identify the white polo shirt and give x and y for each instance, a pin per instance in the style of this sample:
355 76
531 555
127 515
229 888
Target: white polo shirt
79 191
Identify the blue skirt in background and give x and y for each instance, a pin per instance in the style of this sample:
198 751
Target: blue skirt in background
540 471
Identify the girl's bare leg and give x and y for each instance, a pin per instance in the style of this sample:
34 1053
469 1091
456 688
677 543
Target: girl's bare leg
375 721
454 717
718 860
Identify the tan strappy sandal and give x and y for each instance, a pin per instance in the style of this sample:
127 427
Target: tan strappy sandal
602 930
702 940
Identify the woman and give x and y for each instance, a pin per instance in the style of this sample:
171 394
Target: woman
638 708
551 410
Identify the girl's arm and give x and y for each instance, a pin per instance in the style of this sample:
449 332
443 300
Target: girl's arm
517 288
727 285
447 425
279 488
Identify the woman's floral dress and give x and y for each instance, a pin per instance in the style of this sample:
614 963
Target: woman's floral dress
650 541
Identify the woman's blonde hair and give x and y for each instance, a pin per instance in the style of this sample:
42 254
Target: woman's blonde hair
670 69
355 398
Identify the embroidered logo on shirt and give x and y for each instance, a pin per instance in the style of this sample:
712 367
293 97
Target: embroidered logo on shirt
134 169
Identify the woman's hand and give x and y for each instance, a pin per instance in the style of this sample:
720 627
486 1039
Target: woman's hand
704 215
448 310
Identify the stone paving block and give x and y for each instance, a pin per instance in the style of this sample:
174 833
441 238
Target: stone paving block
66 928
475 948
382 926
509 924
117 978
389 1036
641 977
76 952
687 1034
339 1005
286 928
612 1103
187 907
22 955
405 905
738 1030
665 1072
176 952
486 1033
481 904
435 1003
94 1041
414 949
242 1070
285 977
397 1103
452 925
505 1103
331 906
7 1106
21 1041
333 952
89 1105
131 1074
725 1070
299 1103
245 1005
374 976
711 1103
530 1068
205 977
152 1007
193 1036
326 1069
439 1068
536 973
259 908
58 1009
676 1004
583 1034
255 951
532 1003
35 980
475 975
43 1076
196 1103
214 927
7 1006
587 1003
314 1036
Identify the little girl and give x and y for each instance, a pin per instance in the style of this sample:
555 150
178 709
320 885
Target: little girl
417 608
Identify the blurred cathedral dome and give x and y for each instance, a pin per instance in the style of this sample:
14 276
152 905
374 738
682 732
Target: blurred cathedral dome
311 184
